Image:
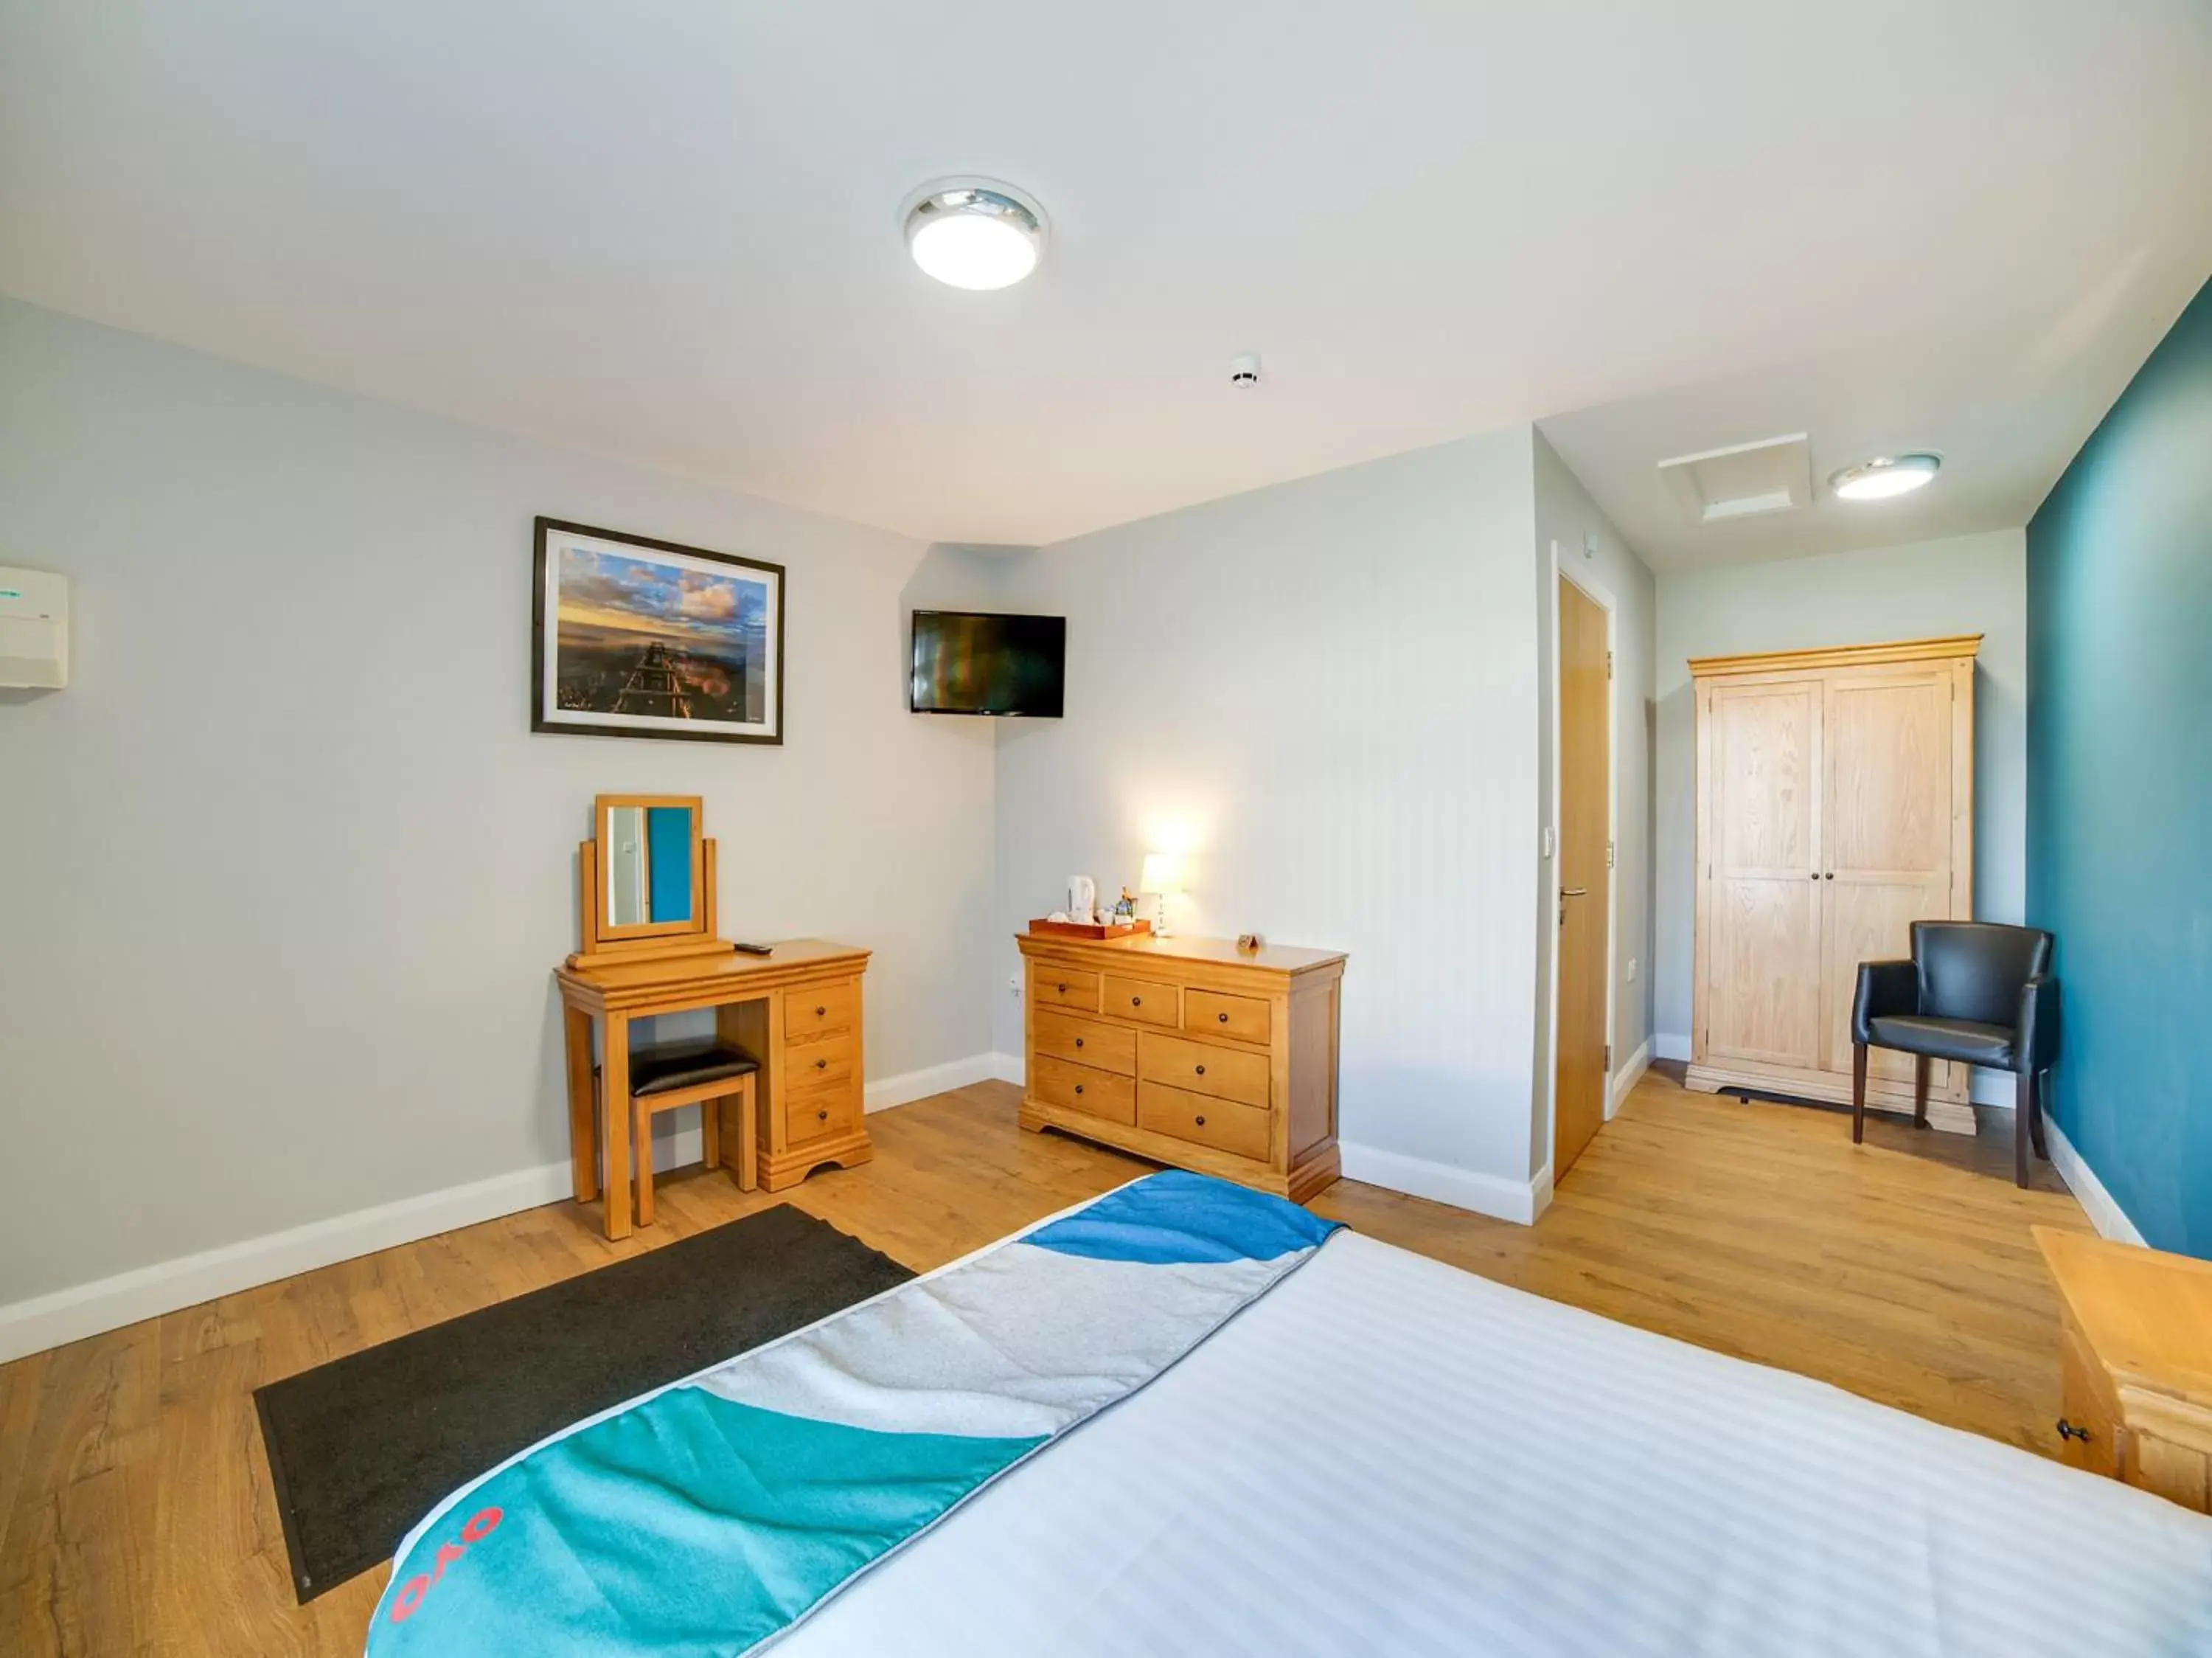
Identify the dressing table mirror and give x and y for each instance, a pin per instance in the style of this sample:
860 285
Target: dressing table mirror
646 880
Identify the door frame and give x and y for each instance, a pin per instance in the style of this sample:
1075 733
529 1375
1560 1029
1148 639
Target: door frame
1599 594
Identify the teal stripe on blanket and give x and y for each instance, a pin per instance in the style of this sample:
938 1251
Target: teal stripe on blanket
686 1525
1175 1217
711 1516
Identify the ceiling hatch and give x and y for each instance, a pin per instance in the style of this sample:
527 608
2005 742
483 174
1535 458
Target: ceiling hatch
1774 474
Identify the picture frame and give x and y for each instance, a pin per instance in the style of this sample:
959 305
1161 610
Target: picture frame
636 638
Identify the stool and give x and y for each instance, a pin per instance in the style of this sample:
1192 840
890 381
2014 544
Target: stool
685 1074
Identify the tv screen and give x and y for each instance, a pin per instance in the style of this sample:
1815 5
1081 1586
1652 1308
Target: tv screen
966 663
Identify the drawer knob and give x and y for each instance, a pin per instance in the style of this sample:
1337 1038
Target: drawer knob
821 1064
821 1012
1078 1088
1223 1017
1136 1001
821 1116
1078 1042
1202 1070
1201 1122
2067 1431
1060 989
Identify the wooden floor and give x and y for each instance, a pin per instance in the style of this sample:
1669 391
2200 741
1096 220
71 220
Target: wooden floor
135 1509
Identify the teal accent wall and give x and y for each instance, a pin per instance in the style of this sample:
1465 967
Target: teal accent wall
2119 786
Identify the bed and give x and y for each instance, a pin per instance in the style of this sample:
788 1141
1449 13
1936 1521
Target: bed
1374 1453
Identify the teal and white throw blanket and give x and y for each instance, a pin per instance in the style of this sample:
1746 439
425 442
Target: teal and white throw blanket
711 1515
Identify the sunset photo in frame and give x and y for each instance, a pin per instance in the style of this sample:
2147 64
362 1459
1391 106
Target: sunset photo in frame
632 637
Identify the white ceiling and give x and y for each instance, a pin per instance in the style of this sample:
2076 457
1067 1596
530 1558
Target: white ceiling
671 232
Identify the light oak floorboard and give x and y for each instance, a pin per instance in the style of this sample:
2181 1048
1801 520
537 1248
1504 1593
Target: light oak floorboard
135 1516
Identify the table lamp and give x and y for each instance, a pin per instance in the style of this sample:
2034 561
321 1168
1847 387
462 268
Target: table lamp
1162 875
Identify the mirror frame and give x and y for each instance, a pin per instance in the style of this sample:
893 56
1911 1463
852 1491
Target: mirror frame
695 922
604 942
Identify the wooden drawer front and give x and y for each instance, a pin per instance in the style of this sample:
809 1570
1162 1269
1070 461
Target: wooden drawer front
1144 1000
1085 1042
1241 1131
1244 1017
2086 1408
1063 987
1078 1088
1224 1073
811 1112
826 1060
817 1010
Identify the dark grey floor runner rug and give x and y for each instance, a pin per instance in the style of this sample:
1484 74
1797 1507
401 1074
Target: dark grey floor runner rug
361 1448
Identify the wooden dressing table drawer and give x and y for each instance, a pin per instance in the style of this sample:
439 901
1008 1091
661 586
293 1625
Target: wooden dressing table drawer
811 1113
1224 1073
1146 1001
820 1010
1064 987
1086 1042
1079 1088
1222 1124
818 1064
1245 1018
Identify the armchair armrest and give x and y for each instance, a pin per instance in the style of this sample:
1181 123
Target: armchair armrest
1885 988
2037 1045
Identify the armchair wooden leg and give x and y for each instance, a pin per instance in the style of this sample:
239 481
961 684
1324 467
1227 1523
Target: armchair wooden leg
1921 1065
1858 1091
2042 1103
2023 1126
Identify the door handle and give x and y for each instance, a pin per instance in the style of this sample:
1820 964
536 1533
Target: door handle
1566 893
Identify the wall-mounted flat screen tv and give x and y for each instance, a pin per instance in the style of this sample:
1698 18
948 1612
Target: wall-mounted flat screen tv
969 663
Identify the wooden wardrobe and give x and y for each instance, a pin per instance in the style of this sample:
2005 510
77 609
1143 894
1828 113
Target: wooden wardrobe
1835 808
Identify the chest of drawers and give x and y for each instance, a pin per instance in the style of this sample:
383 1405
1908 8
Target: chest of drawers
1188 1051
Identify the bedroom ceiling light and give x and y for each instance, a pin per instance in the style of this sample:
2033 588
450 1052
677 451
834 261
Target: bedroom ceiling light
973 234
1884 476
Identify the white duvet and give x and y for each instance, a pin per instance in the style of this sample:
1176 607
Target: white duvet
1389 1455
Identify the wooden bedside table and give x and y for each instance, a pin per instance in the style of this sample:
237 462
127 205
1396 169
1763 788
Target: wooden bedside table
2135 1363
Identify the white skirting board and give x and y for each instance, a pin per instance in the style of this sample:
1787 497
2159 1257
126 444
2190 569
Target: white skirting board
146 1292
1445 1183
914 1085
1626 1078
2104 1212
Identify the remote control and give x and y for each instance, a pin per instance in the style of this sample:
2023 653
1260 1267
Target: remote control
753 949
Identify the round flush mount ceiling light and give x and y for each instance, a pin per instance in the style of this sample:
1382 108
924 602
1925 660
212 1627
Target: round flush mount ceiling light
1885 475
974 233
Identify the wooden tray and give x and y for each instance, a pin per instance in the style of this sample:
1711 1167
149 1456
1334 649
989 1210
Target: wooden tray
1042 929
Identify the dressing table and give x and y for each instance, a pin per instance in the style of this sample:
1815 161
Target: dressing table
650 946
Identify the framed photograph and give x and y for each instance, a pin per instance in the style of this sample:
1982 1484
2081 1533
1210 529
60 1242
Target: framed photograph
638 638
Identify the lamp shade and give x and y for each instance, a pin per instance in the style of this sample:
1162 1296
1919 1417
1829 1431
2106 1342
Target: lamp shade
1163 873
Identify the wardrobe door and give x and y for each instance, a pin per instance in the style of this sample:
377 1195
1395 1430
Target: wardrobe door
1759 834
1887 836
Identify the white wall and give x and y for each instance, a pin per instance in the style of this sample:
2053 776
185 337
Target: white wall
1964 584
1326 690
1566 520
286 871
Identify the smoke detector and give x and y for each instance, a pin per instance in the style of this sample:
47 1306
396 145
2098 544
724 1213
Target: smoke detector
1244 369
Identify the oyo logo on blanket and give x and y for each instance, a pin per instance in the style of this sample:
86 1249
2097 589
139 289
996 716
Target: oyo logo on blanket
482 1524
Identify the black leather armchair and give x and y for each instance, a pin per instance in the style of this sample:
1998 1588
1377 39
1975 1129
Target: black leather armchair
1975 992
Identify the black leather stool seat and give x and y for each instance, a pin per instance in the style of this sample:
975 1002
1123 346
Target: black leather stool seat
687 1064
